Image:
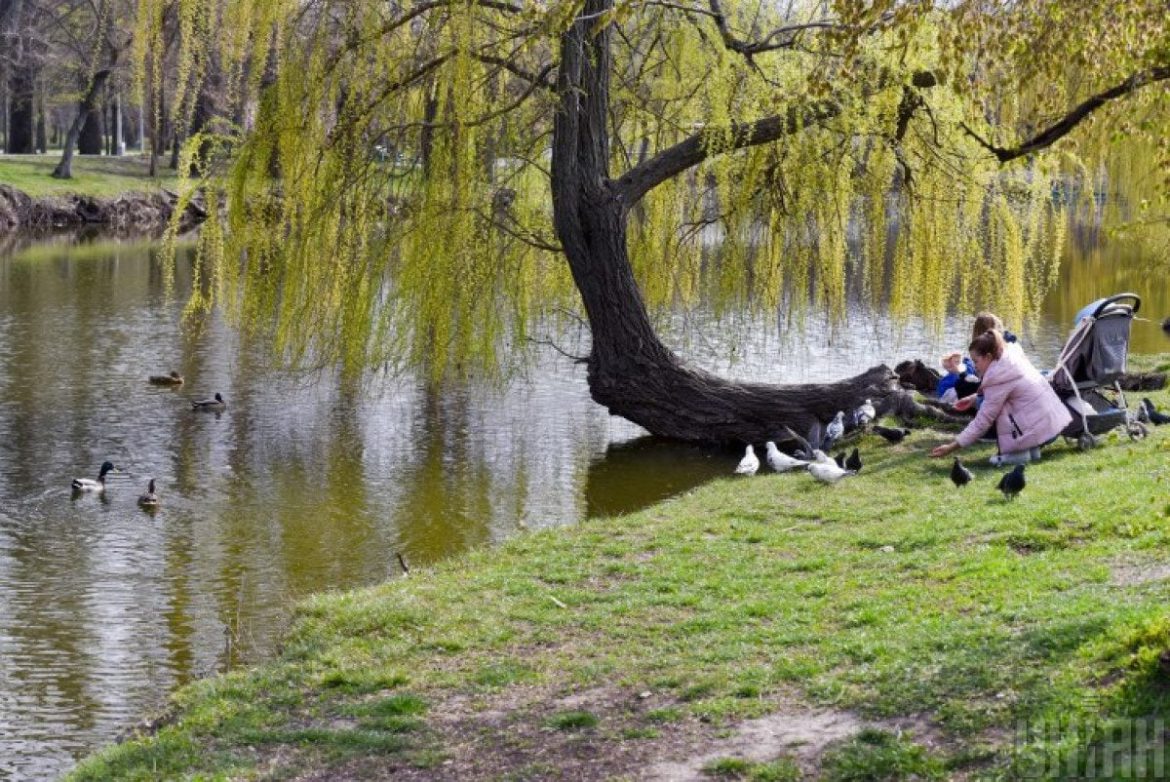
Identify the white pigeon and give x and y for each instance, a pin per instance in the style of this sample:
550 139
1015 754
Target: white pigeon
749 463
780 461
820 457
834 431
865 413
828 472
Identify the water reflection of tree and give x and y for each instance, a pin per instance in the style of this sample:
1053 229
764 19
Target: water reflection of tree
636 474
447 506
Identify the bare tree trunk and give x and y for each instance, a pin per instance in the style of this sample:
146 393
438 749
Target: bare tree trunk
64 169
630 371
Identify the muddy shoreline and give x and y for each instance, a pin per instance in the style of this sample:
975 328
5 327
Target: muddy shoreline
129 212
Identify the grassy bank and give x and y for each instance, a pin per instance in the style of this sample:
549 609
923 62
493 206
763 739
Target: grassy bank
905 626
103 176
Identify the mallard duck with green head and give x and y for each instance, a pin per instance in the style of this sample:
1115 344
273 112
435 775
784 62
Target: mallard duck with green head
214 404
89 485
173 379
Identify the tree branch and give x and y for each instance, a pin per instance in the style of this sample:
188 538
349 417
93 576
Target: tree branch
672 161
1065 124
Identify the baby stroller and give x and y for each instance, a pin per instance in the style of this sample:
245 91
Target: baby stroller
1090 364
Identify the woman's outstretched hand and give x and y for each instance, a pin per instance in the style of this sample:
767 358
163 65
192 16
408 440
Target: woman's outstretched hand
944 449
965 403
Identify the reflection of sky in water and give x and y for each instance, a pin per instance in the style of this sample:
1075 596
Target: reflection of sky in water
303 484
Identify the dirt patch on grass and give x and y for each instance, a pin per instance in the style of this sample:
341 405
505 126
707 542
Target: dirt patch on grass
1137 573
527 733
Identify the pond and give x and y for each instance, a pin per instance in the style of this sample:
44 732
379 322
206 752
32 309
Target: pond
304 483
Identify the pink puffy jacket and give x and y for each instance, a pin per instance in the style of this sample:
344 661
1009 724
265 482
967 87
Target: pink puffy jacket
1025 409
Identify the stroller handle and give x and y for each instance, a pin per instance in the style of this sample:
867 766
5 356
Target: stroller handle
1116 298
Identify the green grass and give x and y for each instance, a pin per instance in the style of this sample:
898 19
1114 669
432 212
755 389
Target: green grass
890 594
92 176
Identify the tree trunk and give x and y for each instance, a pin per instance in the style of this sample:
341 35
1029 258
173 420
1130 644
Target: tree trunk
64 169
42 134
89 141
21 111
630 371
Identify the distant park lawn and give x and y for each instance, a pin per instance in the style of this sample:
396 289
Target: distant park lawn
93 176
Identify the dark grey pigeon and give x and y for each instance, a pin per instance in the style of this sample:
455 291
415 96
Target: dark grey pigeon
803 449
892 435
854 461
1155 417
1012 483
834 431
960 474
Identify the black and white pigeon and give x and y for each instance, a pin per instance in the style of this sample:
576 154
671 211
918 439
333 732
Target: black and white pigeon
1155 417
834 431
1012 483
960 474
840 460
892 435
854 461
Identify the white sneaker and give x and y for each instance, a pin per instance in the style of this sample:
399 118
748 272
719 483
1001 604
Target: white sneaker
1004 459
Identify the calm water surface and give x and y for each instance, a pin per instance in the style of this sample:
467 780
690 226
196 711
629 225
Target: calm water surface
303 483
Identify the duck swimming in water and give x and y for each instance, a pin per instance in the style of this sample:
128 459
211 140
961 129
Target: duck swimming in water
149 501
90 485
209 404
173 379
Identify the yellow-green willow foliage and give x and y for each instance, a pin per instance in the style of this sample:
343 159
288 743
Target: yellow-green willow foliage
388 200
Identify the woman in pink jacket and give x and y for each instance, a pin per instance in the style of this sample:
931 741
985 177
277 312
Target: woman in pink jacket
1026 412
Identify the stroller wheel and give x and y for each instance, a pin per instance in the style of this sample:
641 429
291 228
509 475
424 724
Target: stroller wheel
1137 430
1086 441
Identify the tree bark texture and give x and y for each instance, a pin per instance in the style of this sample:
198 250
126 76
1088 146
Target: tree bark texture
630 371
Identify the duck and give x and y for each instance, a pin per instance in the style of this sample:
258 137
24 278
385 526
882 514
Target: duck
173 379
149 501
90 485
216 403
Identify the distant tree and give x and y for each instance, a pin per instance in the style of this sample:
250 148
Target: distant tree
94 31
580 151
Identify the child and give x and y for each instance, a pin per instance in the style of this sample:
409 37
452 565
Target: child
959 380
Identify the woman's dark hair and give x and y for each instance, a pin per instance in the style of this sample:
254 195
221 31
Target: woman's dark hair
989 343
986 321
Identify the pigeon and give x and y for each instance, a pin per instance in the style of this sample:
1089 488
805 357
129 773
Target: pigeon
828 472
803 448
820 457
865 414
834 431
840 460
1155 417
892 435
749 463
780 461
854 461
1012 483
960 474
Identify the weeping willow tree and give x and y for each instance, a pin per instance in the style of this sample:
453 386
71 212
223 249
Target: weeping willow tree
424 181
